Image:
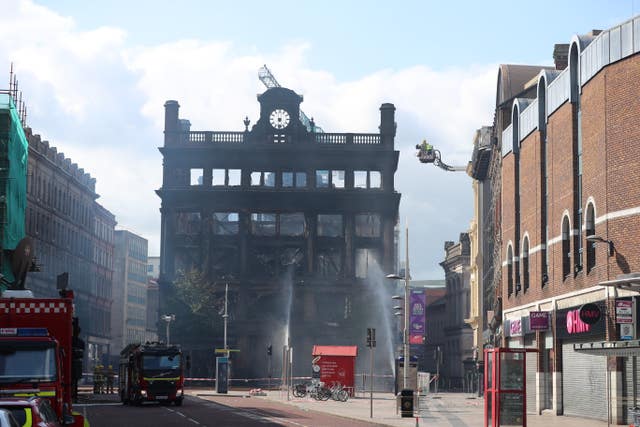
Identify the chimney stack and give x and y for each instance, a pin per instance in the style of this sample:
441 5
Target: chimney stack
561 56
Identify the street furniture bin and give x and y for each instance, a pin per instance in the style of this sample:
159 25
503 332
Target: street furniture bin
406 403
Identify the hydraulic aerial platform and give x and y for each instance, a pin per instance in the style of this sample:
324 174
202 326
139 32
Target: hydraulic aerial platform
428 154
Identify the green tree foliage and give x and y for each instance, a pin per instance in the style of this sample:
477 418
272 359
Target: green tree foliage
197 304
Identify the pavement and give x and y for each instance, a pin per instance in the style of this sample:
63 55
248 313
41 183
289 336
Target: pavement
434 410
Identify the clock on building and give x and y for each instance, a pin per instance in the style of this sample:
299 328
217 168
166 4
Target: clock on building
279 118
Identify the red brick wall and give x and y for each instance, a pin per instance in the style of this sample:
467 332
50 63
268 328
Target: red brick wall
610 103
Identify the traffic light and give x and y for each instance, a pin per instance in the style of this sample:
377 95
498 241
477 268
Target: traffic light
269 350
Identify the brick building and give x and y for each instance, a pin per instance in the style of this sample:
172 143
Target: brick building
570 169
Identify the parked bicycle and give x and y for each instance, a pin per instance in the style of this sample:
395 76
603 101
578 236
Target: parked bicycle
339 393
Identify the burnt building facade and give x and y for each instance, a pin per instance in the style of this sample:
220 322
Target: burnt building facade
299 223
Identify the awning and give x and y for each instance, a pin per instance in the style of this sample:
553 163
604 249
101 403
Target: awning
609 348
335 350
625 281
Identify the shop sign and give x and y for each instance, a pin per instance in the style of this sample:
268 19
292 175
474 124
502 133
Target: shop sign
515 328
624 311
589 313
539 320
626 331
575 325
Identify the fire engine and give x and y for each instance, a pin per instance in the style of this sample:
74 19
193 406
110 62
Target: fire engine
36 349
151 372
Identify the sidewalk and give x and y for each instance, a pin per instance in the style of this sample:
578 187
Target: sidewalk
441 410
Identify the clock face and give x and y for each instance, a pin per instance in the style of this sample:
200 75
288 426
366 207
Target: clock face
279 118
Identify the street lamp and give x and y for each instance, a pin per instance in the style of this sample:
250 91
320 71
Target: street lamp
168 318
597 239
405 333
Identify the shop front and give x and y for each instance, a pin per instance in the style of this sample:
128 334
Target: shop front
584 379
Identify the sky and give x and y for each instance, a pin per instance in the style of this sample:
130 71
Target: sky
95 76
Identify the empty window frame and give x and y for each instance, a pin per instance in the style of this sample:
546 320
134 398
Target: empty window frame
367 179
330 225
263 224
196 176
234 177
225 223
263 179
366 262
337 179
368 225
329 262
525 264
294 179
219 177
188 223
292 224
292 261
322 179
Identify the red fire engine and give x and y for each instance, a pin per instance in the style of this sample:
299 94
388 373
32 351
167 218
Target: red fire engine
36 350
151 372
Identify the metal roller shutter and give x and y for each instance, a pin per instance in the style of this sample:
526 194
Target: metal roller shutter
631 390
584 384
532 367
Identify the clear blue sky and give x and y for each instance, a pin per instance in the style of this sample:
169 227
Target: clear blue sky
96 74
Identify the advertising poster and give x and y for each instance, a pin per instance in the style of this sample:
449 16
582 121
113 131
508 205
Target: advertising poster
417 305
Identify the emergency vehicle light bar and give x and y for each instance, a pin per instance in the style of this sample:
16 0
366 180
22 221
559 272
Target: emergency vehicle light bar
24 332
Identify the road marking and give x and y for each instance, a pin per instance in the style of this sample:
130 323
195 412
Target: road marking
85 405
183 415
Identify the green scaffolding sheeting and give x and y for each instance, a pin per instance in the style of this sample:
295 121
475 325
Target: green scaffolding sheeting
13 179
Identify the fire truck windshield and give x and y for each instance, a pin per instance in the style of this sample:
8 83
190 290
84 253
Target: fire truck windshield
158 362
27 363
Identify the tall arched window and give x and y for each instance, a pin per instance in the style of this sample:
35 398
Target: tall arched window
525 264
566 248
574 65
590 230
509 270
544 192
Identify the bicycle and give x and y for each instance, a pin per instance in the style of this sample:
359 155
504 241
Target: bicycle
338 393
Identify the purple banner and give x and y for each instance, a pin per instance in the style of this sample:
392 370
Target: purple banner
417 304
538 320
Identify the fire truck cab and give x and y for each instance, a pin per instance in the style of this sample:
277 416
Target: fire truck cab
151 372
36 341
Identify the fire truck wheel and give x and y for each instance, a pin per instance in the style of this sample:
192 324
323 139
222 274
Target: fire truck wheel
178 402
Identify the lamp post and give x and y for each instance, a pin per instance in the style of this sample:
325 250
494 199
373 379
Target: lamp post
405 332
225 316
168 318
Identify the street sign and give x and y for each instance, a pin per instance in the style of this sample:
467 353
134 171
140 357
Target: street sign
624 311
626 331
229 350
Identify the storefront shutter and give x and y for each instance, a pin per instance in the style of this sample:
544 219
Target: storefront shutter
631 390
532 367
584 385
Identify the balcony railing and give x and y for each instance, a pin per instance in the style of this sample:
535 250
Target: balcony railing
211 137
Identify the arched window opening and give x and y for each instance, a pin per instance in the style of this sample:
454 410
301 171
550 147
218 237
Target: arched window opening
590 230
509 270
574 64
566 248
544 178
525 264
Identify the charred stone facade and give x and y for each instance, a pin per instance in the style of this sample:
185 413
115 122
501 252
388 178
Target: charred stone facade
299 223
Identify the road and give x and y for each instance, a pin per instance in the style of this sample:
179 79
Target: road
211 411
